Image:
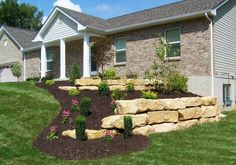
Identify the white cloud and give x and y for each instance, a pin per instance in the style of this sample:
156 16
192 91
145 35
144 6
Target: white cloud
103 7
44 19
68 4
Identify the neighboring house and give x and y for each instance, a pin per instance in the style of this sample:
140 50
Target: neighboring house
202 34
12 42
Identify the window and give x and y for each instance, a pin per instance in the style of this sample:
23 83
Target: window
5 43
226 95
49 62
120 50
172 37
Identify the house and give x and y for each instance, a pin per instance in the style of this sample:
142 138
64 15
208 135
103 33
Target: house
202 34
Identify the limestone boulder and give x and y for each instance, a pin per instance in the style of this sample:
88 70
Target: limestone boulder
173 104
126 107
208 120
163 117
117 121
121 82
192 101
165 127
209 101
140 88
150 105
69 133
87 82
92 88
66 88
97 134
145 131
120 87
210 111
190 113
187 124
91 134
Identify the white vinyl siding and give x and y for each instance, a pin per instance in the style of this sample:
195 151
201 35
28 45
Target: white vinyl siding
120 50
61 27
225 39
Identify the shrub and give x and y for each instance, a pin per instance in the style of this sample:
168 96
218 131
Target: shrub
33 79
108 74
74 92
16 70
49 76
128 125
53 134
149 75
177 82
130 87
74 73
160 86
80 128
74 105
118 94
149 95
132 75
50 82
113 104
103 88
85 106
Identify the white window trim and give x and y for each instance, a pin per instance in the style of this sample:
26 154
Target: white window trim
46 64
176 42
119 50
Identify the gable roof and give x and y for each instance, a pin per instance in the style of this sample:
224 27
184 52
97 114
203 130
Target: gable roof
172 10
22 37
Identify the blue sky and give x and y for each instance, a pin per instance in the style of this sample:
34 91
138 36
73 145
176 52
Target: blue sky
100 8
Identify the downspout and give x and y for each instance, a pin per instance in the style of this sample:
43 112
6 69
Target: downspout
212 55
24 67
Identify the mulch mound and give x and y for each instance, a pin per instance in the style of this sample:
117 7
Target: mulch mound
71 149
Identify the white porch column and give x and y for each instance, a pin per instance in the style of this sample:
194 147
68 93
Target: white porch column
62 59
86 55
43 61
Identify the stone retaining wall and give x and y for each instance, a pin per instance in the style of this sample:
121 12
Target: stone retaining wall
163 115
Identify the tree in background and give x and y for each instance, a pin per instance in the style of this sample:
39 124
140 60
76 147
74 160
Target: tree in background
19 15
17 70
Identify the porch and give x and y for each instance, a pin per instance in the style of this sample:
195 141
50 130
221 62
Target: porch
59 55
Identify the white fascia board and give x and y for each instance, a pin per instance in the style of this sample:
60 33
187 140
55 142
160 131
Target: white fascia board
38 37
3 29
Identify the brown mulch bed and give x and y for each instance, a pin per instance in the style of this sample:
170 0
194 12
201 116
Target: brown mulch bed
68 148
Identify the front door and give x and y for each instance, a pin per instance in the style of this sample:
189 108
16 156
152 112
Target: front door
93 64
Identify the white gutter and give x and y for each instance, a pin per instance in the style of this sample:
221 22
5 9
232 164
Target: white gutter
30 49
212 54
24 67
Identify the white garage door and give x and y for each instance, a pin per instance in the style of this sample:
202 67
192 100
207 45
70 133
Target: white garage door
7 76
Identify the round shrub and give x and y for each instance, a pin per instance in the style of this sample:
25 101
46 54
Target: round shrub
130 87
50 82
177 82
149 95
103 88
80 128
74 92
118 94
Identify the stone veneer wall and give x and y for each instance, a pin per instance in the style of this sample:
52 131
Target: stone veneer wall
32 62
163 115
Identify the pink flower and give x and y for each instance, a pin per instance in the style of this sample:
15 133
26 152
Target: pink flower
53 129
66 113
74 102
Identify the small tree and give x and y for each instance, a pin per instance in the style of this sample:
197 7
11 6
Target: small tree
103 56
74 73
16 70
80 128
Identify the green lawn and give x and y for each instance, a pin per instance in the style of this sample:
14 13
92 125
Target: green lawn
25 110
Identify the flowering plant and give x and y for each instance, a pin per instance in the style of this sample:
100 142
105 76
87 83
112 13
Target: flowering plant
66 116
53 134
109 135
74 105
113 104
